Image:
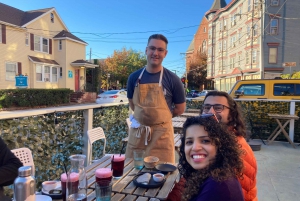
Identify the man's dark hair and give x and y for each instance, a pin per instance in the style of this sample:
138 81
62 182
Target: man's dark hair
236 121
158 37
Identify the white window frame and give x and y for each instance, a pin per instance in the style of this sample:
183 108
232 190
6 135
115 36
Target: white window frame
204 48
274 29
209 33
255 29
52 17
255 4
11 78
46 72
273 58
254 56
39 45
274 2
249 5
224 45
59 45
225 24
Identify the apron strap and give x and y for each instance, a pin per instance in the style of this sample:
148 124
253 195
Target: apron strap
147 132
160 77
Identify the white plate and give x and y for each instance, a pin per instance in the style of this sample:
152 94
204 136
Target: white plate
42 198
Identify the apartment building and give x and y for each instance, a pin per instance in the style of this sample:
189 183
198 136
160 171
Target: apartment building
252 39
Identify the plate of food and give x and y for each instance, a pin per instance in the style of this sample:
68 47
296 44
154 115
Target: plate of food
52 189
149 180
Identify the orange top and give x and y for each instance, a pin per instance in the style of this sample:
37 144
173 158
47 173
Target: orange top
248 182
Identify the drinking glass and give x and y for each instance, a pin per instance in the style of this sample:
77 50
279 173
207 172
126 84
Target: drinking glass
117 165
103 190
77 180
138 157
103 174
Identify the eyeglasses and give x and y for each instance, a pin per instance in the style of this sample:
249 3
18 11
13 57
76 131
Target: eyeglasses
217 107
210 115
159 49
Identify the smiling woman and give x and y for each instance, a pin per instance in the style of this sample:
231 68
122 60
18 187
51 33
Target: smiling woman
209 161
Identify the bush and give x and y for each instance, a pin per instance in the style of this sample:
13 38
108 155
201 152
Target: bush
33 97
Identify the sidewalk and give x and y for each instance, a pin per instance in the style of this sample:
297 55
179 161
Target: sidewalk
278 176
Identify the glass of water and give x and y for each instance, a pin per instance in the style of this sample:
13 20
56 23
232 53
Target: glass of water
138 157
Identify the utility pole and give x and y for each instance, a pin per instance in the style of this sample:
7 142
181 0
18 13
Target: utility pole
91 55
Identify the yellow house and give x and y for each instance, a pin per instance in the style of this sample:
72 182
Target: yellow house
39 45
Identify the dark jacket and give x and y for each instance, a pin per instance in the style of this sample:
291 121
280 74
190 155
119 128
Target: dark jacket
9 165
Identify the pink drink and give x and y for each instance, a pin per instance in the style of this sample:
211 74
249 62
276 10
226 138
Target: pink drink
74 182
118 165
103 174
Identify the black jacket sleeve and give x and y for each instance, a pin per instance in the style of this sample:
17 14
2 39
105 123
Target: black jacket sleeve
9 165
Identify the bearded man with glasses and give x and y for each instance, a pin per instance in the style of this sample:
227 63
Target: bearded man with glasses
155 95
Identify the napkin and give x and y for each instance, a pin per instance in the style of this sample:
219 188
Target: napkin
134 122
144 178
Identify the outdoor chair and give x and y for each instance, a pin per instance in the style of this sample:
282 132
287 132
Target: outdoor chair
94 135
25 156
257 129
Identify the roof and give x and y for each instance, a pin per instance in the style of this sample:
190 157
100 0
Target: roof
18 17
218 4
65 34
42 60
83 63
191 46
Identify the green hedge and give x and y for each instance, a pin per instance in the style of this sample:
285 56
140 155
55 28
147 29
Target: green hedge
33 97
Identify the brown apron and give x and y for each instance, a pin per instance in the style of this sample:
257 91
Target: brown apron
155 135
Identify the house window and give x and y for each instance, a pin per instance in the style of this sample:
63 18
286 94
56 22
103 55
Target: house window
221 26
274 26
209 33
254 57
248 31
46 73
273 55
220 46
240 12
41 44
224 45
249 5
255 4
274 2
52 17
247 58
240 35
60 45
60 72
204 29
225 23
239 61
255 29
26 39
54 74
204 46
11 70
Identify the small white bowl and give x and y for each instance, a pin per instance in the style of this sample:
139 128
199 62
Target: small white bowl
158 177
49 185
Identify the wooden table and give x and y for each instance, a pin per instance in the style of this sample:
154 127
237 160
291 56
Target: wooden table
280 127
123 188
186 114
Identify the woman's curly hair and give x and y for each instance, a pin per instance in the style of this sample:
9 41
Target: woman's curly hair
236 120
227 163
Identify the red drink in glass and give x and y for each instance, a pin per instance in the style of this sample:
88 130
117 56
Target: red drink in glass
103 174
117 165
74 182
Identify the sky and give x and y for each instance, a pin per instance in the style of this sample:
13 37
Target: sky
115 24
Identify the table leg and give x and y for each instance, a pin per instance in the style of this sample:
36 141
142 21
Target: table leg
279 130
285 133
276 129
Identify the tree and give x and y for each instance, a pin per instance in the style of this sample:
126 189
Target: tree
295 75
197 74
122 63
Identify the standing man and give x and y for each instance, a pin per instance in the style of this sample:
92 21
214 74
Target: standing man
155 95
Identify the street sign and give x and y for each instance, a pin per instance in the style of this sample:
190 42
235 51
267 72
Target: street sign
289 64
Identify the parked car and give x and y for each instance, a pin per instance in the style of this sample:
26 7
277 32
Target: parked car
266 89
192 94
204 92
112 96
